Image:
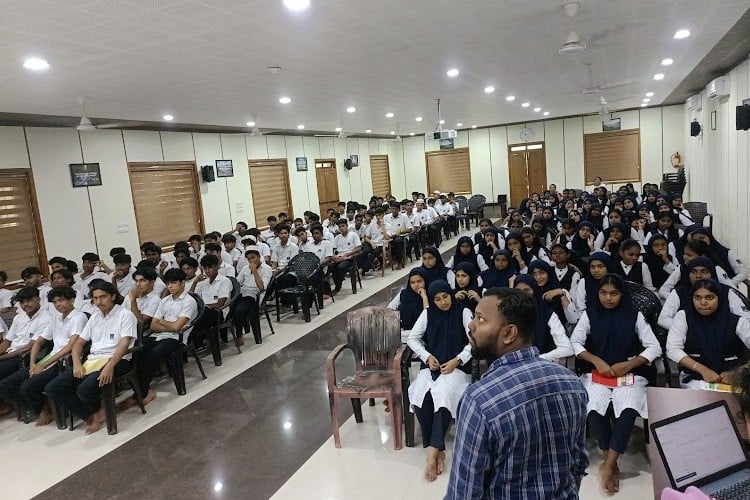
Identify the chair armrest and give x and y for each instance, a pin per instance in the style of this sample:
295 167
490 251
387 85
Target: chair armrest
331 365
396 368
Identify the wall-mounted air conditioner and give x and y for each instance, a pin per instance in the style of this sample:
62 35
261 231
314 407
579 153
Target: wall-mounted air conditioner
718 87
695 103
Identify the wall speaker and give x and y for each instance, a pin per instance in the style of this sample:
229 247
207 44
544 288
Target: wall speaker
695 129
743 117
207 172
348 164
502 198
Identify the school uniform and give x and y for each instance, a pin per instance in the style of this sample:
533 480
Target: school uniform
82 283
146 305
568 277
5 298
397 228
282 254
674 304
345 245
22 331
322 250
246 310
124 284
676 275
637 272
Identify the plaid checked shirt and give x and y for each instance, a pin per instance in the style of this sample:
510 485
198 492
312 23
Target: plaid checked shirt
520 432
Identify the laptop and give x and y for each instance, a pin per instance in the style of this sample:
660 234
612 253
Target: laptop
703 448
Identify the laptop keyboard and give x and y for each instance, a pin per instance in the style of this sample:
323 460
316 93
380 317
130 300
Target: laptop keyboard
737 491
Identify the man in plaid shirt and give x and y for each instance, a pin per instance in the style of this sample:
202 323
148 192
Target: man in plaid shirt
520 431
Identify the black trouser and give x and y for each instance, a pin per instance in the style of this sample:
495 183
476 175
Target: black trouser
28 391
418 240
8 367
82 396
397 248
208 328
154 353
613 435
339 270
246 315
434 424
365 257
433 234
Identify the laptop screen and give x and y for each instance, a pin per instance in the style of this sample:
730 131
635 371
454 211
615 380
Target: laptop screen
699 445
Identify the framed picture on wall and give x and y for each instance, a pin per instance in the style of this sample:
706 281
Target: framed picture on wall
355 160
85 174
224 168
301 164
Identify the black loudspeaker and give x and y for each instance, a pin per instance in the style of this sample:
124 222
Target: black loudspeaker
502 198
743 117
695 129
348 164
207 172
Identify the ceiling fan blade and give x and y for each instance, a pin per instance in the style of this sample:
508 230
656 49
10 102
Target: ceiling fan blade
120 125
616 85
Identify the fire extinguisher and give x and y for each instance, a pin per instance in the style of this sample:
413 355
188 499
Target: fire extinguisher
676 160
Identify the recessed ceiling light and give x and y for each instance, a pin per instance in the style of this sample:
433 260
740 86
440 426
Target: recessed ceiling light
35 63
453 72
546 113
393 132
646 99
459 124
419 118
351 109
537 110
643 104
680 34
659 76
389 115
338 129
649 94
297 4
510 98
250 124
368 131
411 134
168 118
667 62
300 127
525 105
473 126
489 89
285 100
441 122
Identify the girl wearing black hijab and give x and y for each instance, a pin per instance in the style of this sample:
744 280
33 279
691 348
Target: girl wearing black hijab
411 301
706 339
660 263
467 291
583 241
609 240
440 339
499 273
549 333
465 253
599 265
614 340
433 265
595 216
514 244
724 257
489 244
557 298
664 226
679 277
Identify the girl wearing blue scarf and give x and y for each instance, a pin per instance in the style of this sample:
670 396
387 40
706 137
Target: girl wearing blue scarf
411 301
467 292
489 244
433 265
679 277
724 257
706 339
556 297
549 333
499 273
599 264
514 244
614 339
583 241
440 339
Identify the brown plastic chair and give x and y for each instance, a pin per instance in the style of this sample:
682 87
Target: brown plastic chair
374 337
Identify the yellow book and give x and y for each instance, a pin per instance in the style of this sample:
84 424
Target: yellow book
94 365
715 386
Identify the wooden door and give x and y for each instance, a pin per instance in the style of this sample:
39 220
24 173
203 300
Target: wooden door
527 169
328 184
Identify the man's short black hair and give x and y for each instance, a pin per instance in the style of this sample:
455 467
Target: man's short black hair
29 272
342 222
66 275
174 276
243 224
58 260
228 238
212 247
299 230
195 237
517 308
151 247
271 218
27 293
104 286
64 292
90 257
210 261
117 251
147 273
282 227
145 263
122 258
316 227
190 262
252 251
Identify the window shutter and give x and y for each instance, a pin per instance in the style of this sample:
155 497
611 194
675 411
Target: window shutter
269 182
613 156
381 177
449 171
21 243
167 202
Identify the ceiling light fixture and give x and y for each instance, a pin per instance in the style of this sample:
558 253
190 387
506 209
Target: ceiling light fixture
453 72
473 126
351 109
297 4
680 34
250 124
667 62
168 118
525 105
459 124
419 118
489 89
389 115
546 113
338 129
643 104
649 94
392 132
411 134
368 131
35 64
659 76
441 122
537 110
510 98
285 100
646 99
300 127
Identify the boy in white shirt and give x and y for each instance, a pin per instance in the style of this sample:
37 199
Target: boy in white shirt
348 245
112 331
191 268
90 262
397 227
122 276
375 237
5 294
230 247
26 386
253 280
225 268
321 247
284 250
32 276
215 290
143 300
196 246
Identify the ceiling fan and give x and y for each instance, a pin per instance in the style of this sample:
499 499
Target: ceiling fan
85 124
573 42
342 134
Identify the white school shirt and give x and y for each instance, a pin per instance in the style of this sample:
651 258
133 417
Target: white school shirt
321 250
376 234
125 284
433 212
679 330
61 329
283 254
346 244
445 209
105 332
5 296
248 287
82 284
672 306
563 347
25 329
146 305
235 254
645 271
227 270
394 224
170 309
211 292
651 347
674 278
362 231
560 273
422 218
420 327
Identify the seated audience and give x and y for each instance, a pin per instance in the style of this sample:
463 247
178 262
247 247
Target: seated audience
253 280
467 291
143 300
567 274
347 245
411 301
499 273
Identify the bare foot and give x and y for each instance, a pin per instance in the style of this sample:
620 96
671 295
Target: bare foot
44 418
95 421
430 468
126 403
440 462
150 396
239 342
609 478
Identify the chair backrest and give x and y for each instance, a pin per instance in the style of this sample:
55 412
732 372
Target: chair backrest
697 210
201 309
263 296
463 205
235 293
373 335
476 201
304 266
395 290
648 303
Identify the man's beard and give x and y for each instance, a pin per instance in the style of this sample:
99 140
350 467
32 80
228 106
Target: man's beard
482 353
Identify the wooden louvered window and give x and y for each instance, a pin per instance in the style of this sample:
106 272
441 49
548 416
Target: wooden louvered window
381 177
21 239
167 201
269 183
613 156
449 170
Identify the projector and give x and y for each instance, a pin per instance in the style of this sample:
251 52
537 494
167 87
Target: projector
439 135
